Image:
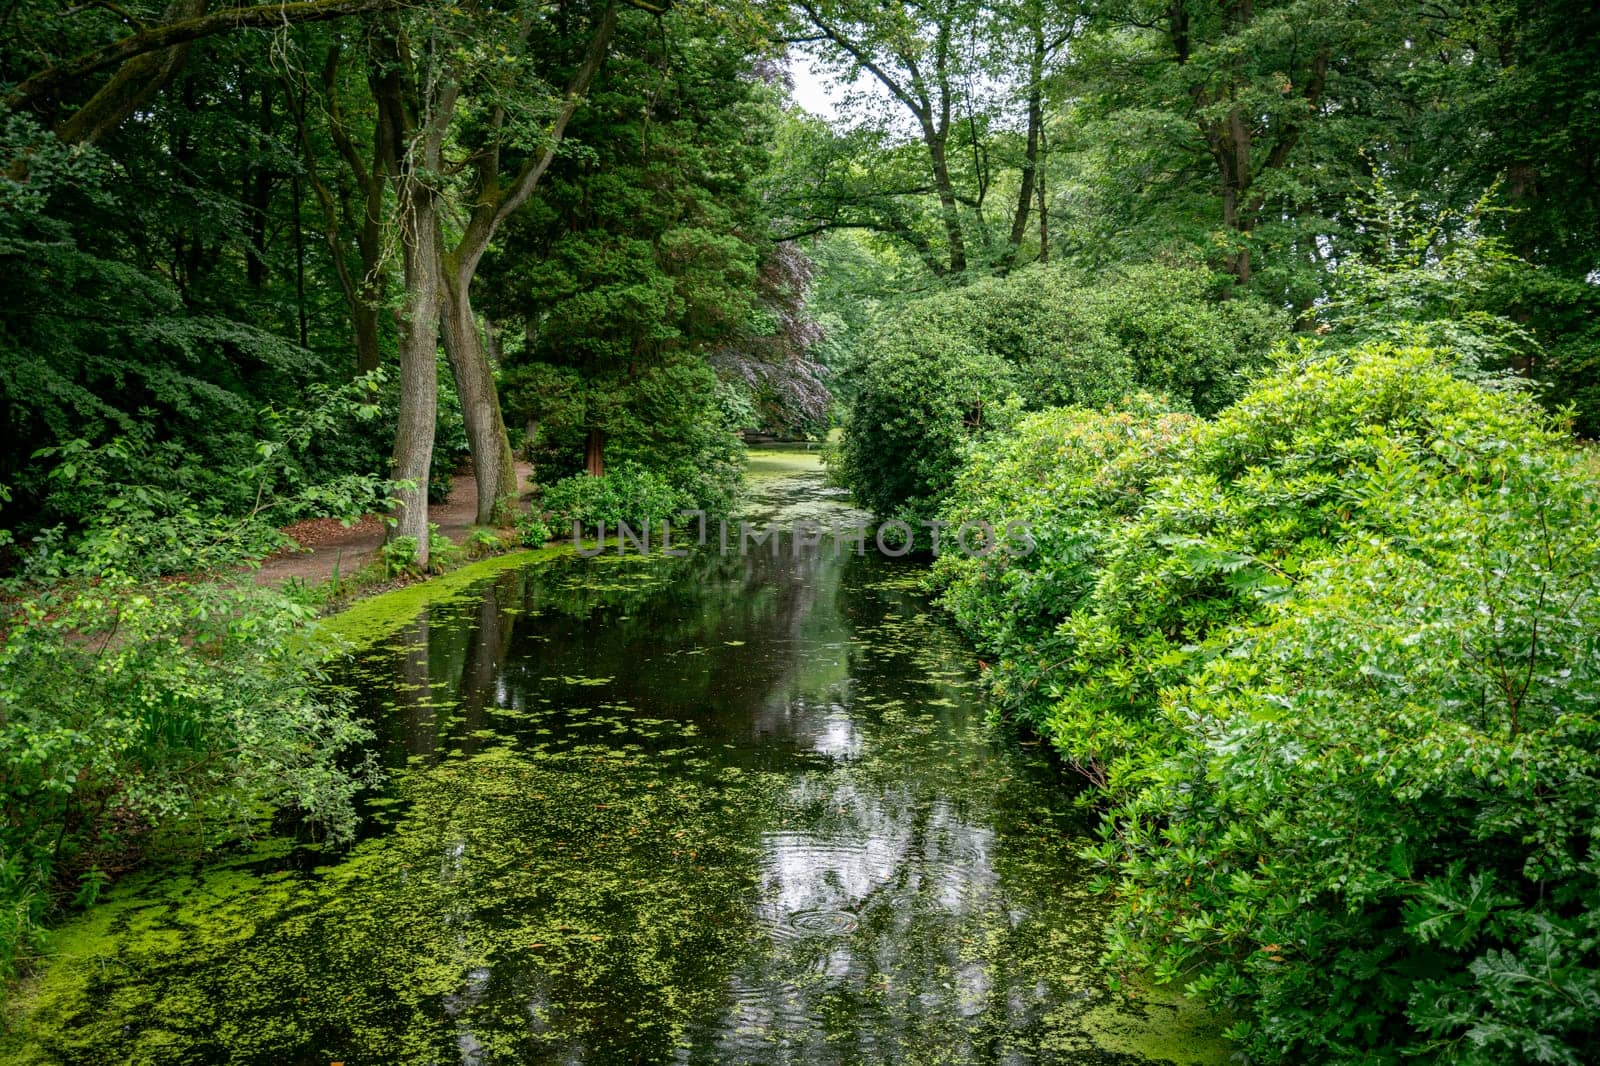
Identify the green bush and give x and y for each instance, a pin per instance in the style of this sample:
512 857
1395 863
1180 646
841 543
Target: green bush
134 714
1072 476
532 530
919 402
935 372
142 710
1326 452
629 493
1331 657
482 542
1373 833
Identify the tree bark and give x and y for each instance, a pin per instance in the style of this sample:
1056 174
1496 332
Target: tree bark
948 206
480 402
469 359
419 346
1030 159
594 454
1044 203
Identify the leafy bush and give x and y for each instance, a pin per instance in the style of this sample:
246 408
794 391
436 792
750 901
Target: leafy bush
626 493
1331 658
1374 833
920 400
483 542
936 371
128 709
1325 452
138 709
1073 476
532 530
399 555
136 714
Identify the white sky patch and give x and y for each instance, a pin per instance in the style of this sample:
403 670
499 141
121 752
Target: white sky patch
841 103
814 90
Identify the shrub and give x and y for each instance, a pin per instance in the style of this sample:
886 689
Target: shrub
140 709
1374 833
139 712
920 401
1073 476
936 369
532 530
667 418
1332 658
626 493
1325 452
399 556
483 542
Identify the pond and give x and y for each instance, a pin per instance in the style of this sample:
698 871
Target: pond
711 809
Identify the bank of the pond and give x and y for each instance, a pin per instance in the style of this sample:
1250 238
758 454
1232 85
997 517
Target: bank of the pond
368 618
710 809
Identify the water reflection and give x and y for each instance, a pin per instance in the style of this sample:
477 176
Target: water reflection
704 810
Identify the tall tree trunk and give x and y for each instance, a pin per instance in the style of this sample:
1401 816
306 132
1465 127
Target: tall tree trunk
299 265
1030 159
1044 203
419 346
469 360
480 402
594 454
257 191
947 200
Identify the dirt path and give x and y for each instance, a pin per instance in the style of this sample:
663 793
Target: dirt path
329 548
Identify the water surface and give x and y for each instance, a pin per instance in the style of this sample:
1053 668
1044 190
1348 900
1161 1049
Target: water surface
699 810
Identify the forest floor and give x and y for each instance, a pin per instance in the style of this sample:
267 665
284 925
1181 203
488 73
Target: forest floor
329 548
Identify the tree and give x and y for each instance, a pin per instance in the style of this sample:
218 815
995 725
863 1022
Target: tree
642 253
915 52
147 59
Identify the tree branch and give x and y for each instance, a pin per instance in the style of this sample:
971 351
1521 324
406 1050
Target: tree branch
183 31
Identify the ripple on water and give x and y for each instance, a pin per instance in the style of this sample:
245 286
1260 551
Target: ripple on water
822 921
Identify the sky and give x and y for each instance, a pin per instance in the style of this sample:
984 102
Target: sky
814 90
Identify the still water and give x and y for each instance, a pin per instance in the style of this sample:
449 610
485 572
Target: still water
700 810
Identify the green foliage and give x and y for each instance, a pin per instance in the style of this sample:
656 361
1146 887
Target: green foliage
918 403
941 366
1325 452
139 506
627 492
449 440
443 553
532 530
1371 830
675 419
92 347
138 714
398 555
1330 657
1073 476
482 542
644 254
1445 280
